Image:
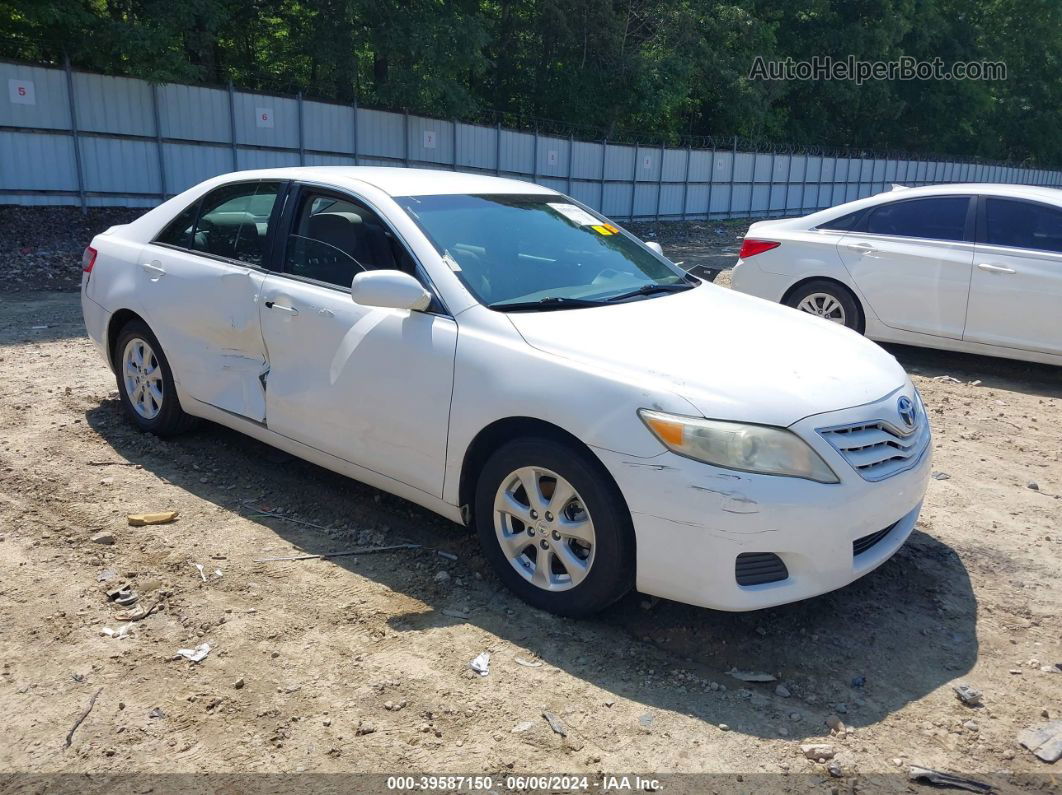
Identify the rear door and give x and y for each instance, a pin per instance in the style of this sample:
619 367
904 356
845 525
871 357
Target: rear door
911 259
1016 290
200 281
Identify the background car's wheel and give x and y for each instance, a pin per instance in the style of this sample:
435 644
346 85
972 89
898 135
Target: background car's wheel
829 300
555 527
145 382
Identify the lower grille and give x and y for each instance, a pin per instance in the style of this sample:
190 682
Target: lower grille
861 545
757 568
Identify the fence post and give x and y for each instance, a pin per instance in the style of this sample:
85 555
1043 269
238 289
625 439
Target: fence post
711 183
686 181
733 169
354 132
232 126
158 140
634 182
659 182
497 149
752 181
604 162
788 179
74 134
405 136
804 183
770 183
534 157
571 155
302 147
454 166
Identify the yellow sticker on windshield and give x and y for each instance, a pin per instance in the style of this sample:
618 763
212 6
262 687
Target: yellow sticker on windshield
602 230
614 230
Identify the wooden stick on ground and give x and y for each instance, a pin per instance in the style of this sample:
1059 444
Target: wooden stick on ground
81 717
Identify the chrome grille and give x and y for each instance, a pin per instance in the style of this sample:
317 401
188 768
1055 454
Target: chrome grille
878 449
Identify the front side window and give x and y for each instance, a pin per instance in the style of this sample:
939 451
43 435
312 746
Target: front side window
942 218
518 251
234 221
335 239
1020 224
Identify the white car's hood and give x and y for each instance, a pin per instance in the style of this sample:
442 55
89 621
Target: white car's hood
730 355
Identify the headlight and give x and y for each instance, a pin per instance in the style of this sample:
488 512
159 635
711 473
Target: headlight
735 445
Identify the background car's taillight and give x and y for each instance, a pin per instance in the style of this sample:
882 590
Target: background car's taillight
751 247
88 259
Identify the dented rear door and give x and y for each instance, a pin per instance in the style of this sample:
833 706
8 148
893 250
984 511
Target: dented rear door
203 305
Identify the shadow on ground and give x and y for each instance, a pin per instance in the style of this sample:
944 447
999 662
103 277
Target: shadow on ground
863 652
994 373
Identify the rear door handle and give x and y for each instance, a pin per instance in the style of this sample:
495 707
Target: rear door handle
995 268
283 308
151 268
863 248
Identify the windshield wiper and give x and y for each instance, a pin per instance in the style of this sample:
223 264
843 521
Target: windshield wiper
650 289
546 304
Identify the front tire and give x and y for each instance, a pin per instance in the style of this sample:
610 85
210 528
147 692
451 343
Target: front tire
145 382
555 527
829 300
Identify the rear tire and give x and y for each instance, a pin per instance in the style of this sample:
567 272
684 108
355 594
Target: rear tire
145 382
572 552
829 300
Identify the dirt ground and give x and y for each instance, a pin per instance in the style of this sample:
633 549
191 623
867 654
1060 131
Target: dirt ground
361 663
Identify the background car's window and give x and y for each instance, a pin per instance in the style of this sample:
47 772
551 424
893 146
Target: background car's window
234 221
510 248
179 231
334 240
942 218
844 223
1023 224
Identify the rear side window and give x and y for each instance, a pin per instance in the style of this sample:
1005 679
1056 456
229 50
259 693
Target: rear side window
179 231
234 221
1020 224
335 239
941 218
845 223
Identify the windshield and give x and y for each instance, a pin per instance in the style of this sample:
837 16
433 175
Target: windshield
530 251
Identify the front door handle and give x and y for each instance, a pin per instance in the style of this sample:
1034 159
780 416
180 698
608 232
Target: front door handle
283 308
995 268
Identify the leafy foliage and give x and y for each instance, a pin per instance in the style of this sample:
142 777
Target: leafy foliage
663 68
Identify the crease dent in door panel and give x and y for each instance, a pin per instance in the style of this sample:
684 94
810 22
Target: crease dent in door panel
352 339
236 349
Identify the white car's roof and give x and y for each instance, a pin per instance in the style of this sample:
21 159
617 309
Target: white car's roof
983 188
397 181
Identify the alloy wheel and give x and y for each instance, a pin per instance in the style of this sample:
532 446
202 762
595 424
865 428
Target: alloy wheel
142 376
544 528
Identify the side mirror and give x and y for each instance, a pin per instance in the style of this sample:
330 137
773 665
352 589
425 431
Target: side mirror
392 289
655 247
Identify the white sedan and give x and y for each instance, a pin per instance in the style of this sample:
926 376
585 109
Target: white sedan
973 268
502 355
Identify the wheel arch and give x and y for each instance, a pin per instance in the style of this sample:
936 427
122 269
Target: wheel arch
118 321
808 279
492 436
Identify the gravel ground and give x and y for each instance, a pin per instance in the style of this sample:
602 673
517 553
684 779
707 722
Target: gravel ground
360 663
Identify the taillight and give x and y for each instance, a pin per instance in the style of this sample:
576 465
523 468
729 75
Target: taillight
750 247
88 259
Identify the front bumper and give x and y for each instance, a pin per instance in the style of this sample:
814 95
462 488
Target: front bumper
692 520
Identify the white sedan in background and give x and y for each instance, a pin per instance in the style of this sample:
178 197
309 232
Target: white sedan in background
974 268
504 356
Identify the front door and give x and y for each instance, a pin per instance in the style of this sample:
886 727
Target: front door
366 384
911 259
1016 292
200 281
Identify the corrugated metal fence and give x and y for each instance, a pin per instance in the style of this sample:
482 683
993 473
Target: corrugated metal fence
69 137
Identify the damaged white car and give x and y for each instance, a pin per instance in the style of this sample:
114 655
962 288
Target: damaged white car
498 353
